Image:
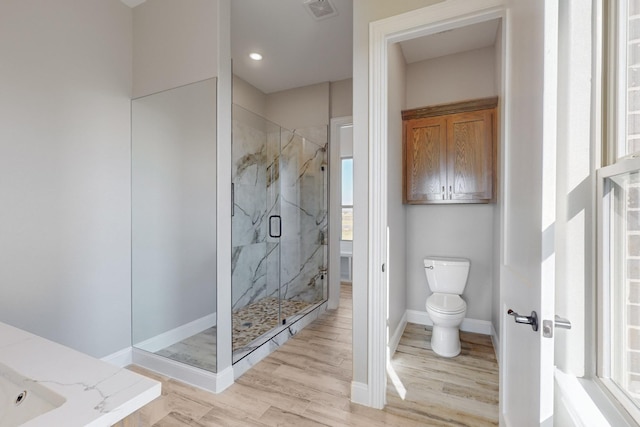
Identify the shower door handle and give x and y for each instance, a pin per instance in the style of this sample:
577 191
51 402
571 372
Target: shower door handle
279 226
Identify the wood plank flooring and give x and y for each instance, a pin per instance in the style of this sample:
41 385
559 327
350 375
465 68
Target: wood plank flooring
307 383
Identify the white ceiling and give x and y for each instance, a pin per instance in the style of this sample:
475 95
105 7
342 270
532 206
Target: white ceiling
297 50
449 42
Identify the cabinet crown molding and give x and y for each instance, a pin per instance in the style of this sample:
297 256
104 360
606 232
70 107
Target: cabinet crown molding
451 108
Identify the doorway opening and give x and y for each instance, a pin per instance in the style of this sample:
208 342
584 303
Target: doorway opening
385 212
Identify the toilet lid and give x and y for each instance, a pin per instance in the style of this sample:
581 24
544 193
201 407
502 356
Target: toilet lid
446 303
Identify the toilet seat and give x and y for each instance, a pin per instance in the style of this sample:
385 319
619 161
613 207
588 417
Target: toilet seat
446 304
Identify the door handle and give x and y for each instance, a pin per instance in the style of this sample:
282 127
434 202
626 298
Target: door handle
526 320
279 232
561 322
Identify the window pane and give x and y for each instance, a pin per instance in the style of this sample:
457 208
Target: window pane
347 182
347 223
628 76
624 289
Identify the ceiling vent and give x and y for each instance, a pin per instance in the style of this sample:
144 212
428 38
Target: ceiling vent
320 9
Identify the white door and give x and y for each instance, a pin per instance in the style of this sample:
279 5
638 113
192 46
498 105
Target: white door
528 212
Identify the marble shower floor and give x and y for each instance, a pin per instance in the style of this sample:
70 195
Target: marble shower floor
249 323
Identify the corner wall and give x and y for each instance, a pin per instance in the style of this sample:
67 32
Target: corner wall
65 258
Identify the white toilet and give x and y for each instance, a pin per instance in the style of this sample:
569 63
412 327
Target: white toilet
447 278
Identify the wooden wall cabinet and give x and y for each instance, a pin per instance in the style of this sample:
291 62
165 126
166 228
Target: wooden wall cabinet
449 153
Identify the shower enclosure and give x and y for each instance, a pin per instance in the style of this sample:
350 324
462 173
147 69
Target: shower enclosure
279 233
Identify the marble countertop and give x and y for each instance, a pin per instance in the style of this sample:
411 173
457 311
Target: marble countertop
97 393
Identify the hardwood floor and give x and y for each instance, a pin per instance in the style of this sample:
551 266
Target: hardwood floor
462 391
307 383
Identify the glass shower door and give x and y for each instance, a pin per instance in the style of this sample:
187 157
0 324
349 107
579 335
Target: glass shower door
303 245
279 228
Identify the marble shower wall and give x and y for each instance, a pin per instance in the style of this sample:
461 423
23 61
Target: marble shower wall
278 172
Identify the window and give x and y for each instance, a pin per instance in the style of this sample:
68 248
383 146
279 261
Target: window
347 198
627 76
619 362
619 216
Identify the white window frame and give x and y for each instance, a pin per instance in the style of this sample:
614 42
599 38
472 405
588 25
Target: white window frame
604 287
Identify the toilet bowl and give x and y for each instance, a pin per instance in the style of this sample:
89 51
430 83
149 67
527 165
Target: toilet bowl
446 318
447 278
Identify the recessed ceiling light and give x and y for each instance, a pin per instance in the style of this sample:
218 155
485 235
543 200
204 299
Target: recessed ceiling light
255 56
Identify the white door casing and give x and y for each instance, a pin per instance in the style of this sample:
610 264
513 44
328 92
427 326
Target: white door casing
528 211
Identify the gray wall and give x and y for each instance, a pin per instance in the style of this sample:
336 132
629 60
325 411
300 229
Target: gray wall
174 208
65 171
302 107
65 227
174 43
249 97
341 103
452 230
293 109
396 211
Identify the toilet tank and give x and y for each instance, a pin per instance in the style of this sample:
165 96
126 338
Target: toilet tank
447 275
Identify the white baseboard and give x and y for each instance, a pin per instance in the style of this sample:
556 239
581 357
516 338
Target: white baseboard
394 340
468 325
210 381
120 358
419 317
360 393
178 334
496 343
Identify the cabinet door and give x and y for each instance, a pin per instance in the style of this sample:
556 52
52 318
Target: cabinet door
425 159
470 156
